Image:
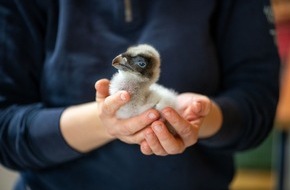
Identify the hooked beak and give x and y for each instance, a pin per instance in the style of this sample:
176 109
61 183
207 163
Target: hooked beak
117 60
121 63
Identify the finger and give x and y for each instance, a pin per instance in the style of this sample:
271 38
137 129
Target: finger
102 88
190 114
114 102
202 106
171 144
137 138
187 132
154 143
137 123
145 148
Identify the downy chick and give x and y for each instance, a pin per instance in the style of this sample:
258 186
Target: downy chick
138 72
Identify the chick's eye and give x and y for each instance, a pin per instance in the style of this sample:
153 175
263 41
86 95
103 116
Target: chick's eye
140 61
141 64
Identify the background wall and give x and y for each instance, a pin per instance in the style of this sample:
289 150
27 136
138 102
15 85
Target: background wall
7 178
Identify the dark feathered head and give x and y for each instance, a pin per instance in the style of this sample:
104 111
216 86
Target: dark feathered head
142 60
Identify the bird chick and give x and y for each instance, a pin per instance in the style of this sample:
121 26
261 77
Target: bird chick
138 72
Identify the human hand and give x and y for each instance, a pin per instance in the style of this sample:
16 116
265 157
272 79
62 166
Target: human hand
186 120
127 130
194 107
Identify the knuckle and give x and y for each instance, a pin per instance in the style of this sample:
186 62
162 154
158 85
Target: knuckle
125 130
186 131
107 107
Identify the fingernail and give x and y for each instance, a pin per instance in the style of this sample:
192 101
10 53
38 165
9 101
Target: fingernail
158 128
152 116
123 97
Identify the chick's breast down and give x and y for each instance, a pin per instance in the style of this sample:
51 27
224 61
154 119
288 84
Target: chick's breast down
164 97
138 71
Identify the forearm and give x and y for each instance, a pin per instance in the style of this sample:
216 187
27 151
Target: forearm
82 129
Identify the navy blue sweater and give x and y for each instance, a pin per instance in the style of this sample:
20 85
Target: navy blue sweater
52 52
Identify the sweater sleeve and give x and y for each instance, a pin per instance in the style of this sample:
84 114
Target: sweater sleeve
30 136
250 75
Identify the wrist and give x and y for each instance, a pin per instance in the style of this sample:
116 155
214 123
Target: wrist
212 122
82 129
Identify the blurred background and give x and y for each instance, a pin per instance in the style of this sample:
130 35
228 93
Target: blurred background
7 179
268 166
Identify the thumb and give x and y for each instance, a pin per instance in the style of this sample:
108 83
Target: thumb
202 107
102 89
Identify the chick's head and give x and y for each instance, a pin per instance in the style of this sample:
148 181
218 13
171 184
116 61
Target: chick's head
142 61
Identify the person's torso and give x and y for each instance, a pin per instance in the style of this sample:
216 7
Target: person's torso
81 43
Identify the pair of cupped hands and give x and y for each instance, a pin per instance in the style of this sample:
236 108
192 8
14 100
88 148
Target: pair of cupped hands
148 129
